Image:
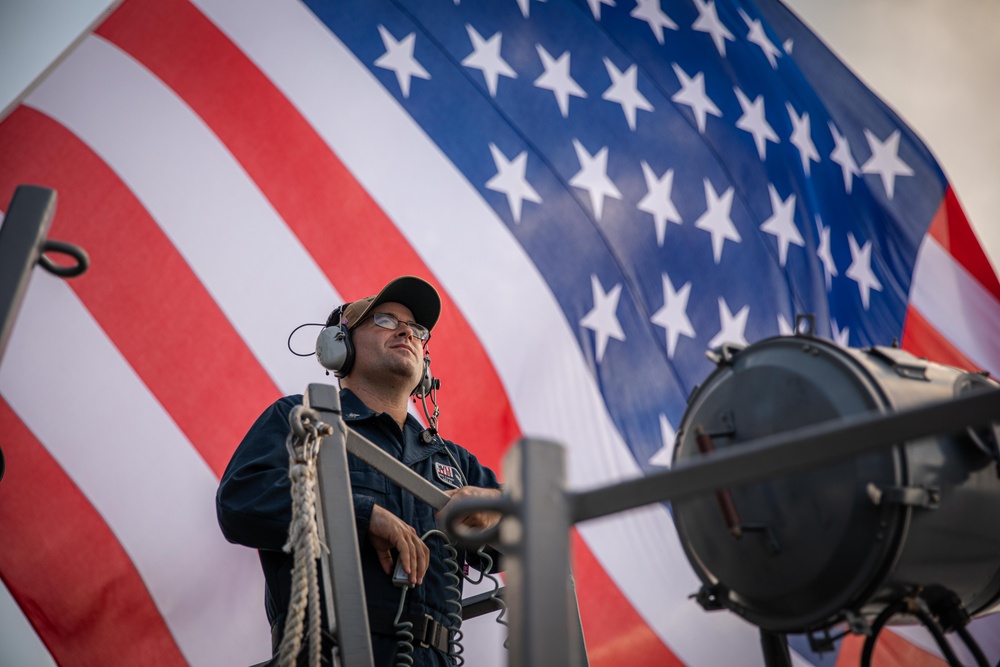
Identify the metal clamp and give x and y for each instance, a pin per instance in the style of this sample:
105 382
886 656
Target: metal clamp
913 496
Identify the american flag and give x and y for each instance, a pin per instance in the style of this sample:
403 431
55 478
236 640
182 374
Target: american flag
600 190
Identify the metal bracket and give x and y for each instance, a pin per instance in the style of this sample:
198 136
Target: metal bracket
724 354
823 642
903 363
913 496
767 536
856 623
805 324
710 597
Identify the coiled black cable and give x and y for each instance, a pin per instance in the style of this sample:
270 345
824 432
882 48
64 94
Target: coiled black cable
454 601
404 638
486 572
404 634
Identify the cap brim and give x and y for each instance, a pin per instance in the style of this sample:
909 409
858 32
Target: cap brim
416 294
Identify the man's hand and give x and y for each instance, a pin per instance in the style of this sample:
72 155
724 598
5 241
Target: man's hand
482 519
387 531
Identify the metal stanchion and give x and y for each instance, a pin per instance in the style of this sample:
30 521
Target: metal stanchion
343 587
538 555
545 624
23 244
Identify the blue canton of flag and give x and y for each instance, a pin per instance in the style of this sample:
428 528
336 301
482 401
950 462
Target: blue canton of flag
682 176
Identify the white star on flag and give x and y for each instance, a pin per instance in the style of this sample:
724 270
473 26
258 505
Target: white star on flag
825 254
603 318
595 7
525 7
754 122
557 79
665 455
692 94
860 270
398 57
781 224
624 90
593 177
672 316
708 21
486 58
885 161
840 336
801 137
759 37
842 155
650 12
733 326
658 202
716 221
510 180
784 328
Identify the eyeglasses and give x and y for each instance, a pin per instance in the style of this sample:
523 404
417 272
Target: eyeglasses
391 322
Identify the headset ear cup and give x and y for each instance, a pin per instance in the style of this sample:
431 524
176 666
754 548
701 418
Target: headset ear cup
334 350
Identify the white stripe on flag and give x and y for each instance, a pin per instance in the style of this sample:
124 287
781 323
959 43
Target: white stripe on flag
69 384
490 278
255 268
954 303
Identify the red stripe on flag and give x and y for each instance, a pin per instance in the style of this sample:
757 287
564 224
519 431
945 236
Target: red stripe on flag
314 193
140 290
614 632
66 569
890 651
951 229
923 340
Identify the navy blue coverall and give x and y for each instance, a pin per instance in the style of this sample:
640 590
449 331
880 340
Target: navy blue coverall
254 509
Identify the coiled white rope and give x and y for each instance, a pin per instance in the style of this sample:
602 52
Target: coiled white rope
303 539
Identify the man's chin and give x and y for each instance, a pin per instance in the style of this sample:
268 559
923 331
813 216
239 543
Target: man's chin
409 370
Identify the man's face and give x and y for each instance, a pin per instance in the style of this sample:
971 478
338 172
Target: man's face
380 352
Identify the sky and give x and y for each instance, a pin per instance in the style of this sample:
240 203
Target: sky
936 63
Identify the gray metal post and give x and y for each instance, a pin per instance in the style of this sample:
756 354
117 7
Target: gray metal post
26 224
346 609
544 628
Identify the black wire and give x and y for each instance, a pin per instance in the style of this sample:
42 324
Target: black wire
973 646
877 625
928 622
938 634
289 341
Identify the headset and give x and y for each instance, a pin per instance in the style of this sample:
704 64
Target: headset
335 352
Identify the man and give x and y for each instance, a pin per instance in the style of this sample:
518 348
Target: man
387 333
